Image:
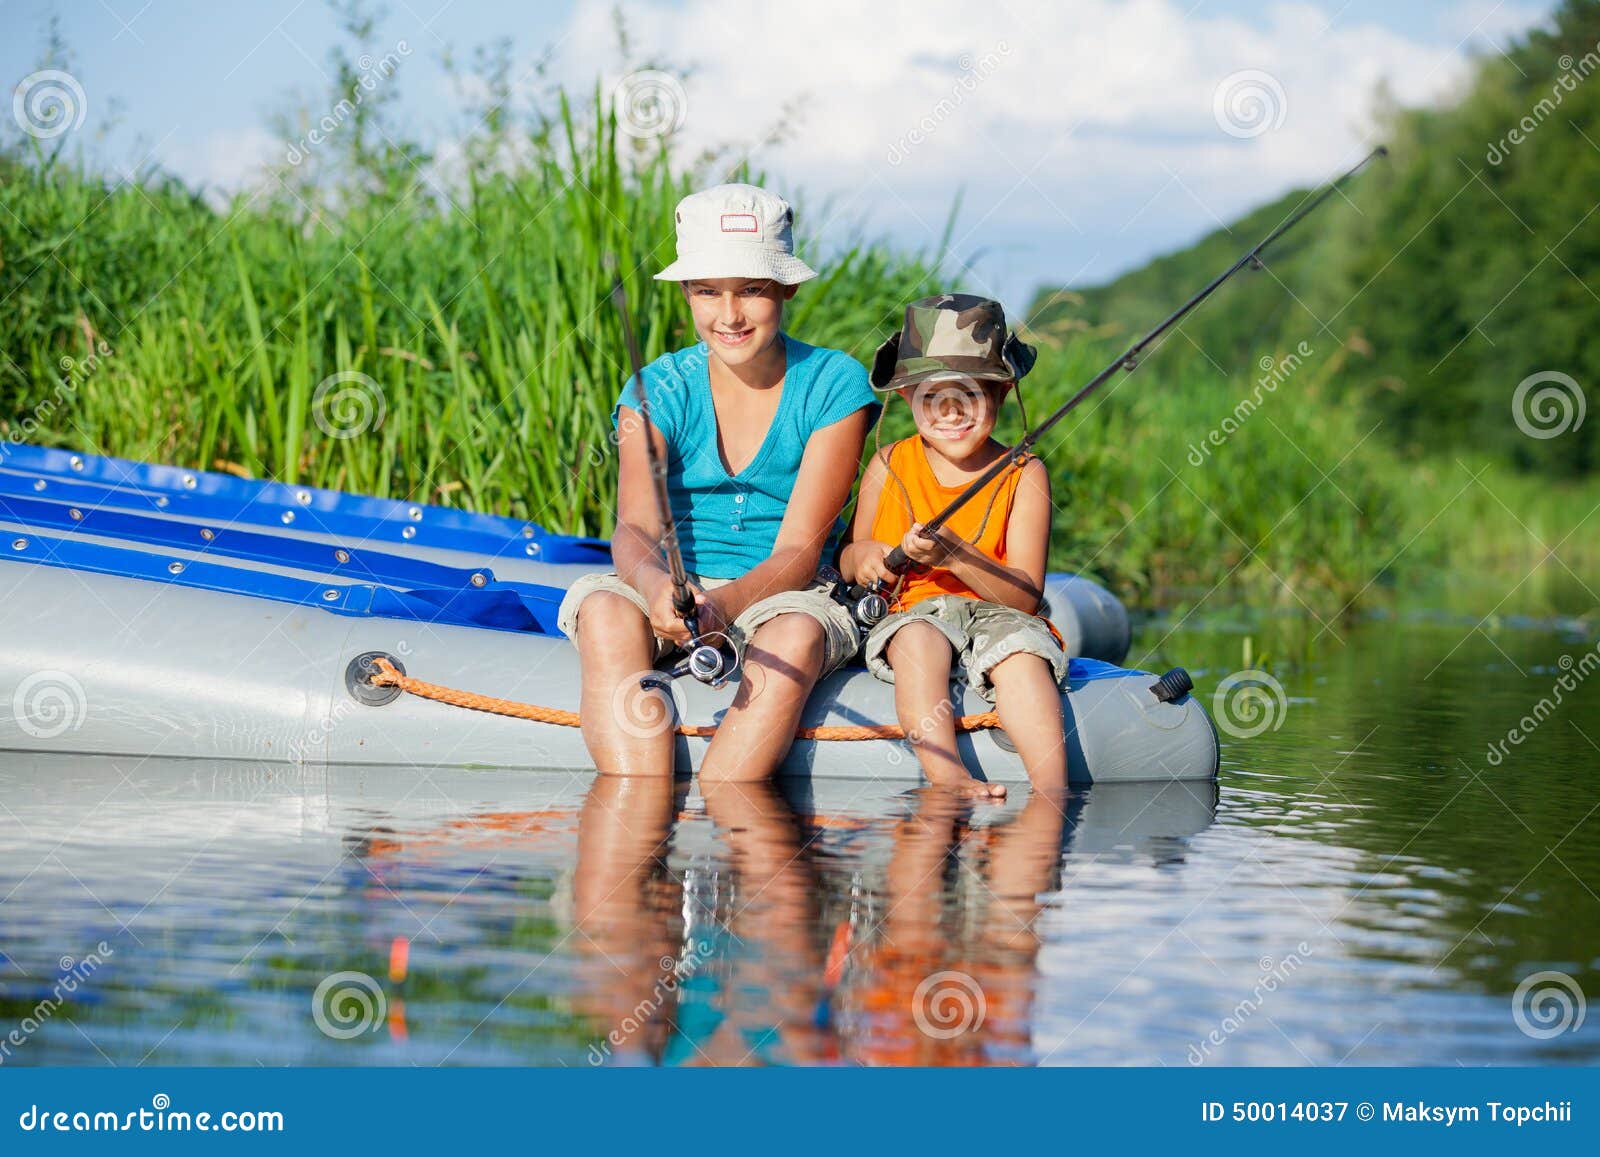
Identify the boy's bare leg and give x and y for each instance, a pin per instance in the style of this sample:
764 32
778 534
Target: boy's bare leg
1029 702
921 658
627 729
781 665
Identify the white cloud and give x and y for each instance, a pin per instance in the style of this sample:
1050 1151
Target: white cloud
224 162
1091 110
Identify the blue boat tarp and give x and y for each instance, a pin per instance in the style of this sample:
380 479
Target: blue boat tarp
522 607
96 480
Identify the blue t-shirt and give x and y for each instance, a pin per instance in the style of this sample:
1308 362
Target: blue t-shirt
728 524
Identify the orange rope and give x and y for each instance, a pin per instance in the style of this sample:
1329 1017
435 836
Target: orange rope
388 676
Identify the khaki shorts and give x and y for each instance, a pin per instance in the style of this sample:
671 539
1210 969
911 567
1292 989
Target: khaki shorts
838 629
981 634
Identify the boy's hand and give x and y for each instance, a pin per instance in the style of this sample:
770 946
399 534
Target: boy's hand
870 566
925 549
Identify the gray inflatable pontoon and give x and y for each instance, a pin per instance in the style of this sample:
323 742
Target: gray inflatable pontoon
218 635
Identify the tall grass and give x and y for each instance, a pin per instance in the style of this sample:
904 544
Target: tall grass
479 309
481 314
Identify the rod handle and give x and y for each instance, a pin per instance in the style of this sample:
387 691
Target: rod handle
897 561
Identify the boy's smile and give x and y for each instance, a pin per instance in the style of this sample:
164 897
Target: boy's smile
955 415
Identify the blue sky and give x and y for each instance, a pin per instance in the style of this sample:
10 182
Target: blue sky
1086 137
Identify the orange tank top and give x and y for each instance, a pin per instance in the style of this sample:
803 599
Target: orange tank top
911 493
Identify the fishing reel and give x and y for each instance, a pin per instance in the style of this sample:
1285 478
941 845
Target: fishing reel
708 662
868 605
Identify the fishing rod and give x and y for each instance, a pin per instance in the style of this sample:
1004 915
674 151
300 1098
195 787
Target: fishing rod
706 662
871 604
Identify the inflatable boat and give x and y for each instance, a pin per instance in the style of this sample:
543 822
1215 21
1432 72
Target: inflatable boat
157 612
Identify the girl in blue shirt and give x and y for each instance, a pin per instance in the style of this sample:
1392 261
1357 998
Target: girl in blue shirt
761 434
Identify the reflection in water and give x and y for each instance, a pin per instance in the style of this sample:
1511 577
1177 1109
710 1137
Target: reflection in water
1367 887
928 959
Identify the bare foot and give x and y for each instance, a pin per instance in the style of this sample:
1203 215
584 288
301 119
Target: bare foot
968 788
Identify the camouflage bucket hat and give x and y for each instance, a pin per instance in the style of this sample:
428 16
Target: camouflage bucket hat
953 335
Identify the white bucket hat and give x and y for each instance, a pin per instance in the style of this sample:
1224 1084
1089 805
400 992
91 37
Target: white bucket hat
736 231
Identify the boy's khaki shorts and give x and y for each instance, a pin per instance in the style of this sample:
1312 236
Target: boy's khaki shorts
838 630
981 634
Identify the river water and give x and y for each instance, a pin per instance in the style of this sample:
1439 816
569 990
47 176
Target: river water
1381 876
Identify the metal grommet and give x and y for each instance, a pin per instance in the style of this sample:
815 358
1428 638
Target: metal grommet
288 517
341 556
409 532
414 514
358 679
527 532
38 483
532 549
189 481
303 497
330 595
75 462
207 533
174 568
478 580
77 515
19 544
161 500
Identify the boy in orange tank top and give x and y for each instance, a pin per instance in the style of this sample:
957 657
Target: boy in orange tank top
978 583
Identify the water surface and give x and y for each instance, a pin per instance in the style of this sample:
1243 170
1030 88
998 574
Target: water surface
1367 884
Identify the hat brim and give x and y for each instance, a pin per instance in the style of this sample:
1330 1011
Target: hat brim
945 375
738 261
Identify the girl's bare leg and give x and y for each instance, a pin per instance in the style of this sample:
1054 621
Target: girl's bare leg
627 729
781 665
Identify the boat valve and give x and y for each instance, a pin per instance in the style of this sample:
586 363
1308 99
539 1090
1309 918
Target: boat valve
1172 686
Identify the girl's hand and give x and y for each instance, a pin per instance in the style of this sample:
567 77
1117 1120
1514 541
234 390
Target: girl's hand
664 617
924 549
